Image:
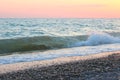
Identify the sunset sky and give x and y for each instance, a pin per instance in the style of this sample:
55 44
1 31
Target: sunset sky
60 8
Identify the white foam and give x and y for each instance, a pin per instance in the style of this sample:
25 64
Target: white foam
98 39
51 54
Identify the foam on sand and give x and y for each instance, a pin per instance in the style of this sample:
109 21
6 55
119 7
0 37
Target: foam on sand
52 54
7 68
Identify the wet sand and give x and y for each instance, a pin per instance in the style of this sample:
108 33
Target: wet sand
102 66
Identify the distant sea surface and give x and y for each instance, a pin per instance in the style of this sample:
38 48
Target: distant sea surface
48 38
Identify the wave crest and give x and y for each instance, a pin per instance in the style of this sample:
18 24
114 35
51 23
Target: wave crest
98 39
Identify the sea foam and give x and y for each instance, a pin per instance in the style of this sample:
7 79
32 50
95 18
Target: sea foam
98 39
52 54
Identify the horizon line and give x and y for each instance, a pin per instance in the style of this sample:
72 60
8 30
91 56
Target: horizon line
66 17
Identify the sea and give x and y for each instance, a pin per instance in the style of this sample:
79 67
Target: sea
36 39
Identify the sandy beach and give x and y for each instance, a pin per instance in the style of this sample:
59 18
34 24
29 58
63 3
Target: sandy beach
102 66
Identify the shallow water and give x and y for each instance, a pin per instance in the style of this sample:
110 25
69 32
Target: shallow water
51 54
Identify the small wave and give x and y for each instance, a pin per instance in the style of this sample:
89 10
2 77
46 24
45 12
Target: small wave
49 42
98 39
37 43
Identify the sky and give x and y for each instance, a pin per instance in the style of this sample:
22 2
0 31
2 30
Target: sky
60 8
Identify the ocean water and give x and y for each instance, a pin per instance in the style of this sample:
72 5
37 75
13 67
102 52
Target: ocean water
50 38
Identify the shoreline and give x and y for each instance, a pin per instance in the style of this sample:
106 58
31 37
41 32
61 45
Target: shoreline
51 67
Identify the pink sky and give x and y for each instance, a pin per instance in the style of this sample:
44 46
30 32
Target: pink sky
60 8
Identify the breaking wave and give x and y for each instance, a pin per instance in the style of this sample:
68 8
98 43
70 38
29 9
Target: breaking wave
48 42
98 39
